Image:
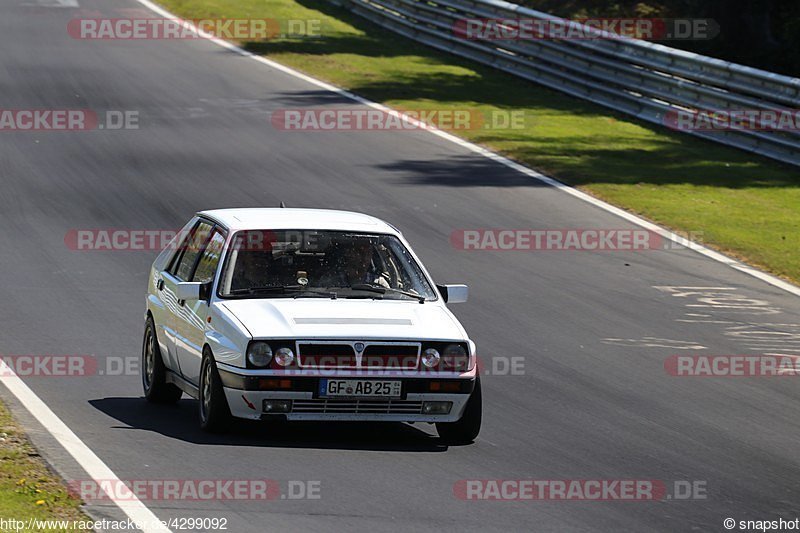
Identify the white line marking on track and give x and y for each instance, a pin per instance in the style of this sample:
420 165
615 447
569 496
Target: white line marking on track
682 240
765 349
54 3
94 466
694 321
770 341
653 342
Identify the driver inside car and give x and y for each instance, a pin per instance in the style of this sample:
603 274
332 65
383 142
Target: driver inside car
354 266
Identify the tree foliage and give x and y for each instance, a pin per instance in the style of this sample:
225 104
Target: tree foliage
759 33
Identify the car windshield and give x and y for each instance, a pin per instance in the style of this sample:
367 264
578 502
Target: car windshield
318 264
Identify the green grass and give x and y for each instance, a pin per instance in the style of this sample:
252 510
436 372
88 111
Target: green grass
741 204
28 490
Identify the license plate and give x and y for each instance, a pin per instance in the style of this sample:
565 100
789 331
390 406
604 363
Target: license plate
332 388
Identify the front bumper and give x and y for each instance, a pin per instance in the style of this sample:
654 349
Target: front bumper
249 404
246 399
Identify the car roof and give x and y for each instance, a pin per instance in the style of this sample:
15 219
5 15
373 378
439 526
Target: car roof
304 219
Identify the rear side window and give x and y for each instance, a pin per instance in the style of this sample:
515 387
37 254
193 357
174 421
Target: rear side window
207 266
192 249
174 248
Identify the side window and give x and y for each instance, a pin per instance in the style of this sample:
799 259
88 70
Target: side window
207 266
165 258
191 251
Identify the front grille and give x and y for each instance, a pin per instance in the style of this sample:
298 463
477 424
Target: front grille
326 355
342 355
331 406
396 356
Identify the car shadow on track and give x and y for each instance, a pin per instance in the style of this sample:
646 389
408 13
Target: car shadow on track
181 422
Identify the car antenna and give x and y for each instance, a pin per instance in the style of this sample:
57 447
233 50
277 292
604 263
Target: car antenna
283 205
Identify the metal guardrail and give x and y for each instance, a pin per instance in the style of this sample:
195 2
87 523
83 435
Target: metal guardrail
635 77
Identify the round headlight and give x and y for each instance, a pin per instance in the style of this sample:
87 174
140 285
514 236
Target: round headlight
430 357
455 357
259 354
284 356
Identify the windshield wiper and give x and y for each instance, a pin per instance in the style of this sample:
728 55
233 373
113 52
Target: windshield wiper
380 289
298 290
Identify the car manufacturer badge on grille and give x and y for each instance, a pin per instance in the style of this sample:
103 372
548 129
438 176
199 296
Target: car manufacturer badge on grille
359 346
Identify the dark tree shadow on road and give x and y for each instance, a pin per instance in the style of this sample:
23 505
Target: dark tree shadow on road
459 171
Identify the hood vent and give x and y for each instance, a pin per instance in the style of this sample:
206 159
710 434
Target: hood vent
356 321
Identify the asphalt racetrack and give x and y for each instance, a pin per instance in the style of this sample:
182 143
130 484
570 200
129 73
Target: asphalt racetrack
586 333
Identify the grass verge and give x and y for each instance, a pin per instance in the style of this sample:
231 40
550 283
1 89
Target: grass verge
738 203
28 489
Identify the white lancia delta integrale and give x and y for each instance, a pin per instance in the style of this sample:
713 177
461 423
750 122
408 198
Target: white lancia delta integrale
306 314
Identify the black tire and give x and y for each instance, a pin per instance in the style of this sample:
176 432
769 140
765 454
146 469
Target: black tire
154 373
215 416
467 428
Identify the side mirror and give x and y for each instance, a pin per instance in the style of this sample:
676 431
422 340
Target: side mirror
454 294
189 290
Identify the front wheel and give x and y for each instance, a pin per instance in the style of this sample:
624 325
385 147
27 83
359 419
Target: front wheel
466 429
215 416
154 373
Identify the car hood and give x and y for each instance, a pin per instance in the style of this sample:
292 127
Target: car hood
355 319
